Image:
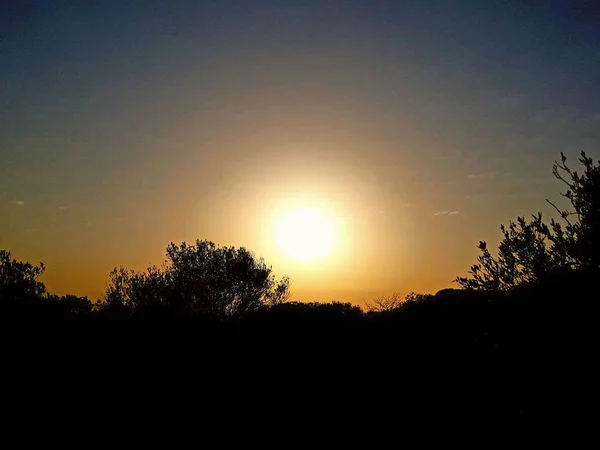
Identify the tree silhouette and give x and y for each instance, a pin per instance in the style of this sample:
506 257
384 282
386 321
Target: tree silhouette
315 311
392 302
19 280
199 279
531 250
523 257
578 242
385 303
70 305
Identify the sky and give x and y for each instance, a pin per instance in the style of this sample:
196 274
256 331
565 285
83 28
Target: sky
418 126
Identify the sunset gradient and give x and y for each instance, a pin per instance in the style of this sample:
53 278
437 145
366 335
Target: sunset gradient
396 134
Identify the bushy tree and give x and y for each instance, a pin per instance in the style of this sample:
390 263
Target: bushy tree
531 250
19 280
200 279
138 291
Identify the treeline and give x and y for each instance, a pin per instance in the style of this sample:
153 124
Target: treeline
515 345
539 269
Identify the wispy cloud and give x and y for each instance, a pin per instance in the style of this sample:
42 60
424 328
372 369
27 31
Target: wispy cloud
488 175
483 175
453 154
446 213
30 230
62 207
18 202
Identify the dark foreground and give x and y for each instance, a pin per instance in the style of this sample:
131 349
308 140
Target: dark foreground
524 360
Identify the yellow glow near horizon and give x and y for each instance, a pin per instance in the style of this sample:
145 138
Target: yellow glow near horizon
306 234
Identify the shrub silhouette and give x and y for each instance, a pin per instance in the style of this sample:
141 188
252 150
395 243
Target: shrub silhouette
315 311
531 251
199 279
70 305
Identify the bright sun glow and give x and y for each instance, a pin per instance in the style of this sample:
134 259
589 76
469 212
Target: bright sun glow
305 234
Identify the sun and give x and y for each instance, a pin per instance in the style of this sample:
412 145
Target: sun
305 234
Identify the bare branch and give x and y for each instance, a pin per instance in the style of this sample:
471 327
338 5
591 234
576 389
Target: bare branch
564 214
557 174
